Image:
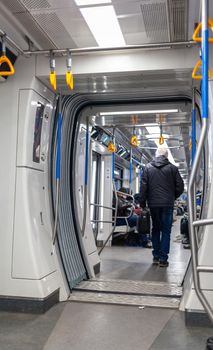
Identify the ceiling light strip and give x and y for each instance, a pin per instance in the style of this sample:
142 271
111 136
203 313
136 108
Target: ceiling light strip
104 25
154 111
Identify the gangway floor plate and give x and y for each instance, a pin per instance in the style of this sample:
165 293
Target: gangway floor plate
123 299
130 287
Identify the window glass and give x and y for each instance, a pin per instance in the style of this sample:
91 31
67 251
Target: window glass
37 132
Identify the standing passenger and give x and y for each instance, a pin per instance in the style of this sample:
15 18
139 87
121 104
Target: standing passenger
161 185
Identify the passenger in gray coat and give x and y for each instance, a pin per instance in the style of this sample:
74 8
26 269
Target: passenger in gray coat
161 185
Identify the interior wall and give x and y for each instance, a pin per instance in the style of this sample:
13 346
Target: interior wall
12 284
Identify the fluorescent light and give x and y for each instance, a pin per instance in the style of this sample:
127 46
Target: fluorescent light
91 2
141 112
104 25
156 136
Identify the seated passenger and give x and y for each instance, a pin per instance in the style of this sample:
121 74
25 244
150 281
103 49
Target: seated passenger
128 213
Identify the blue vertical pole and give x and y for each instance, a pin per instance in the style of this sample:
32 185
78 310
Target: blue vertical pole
113 158
205 59
113 166
130 170
193 126
58 157
58 168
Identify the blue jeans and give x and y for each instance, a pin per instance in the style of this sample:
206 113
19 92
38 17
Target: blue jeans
162 218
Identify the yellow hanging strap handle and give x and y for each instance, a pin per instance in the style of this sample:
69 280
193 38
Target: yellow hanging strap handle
111 147
161 138
69 74
52 71
134 141
197 38
5 59
194 72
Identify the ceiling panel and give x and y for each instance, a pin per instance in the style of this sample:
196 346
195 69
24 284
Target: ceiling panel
132 24
141 21
54 28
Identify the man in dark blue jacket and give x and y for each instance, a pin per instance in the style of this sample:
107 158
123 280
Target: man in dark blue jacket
161 185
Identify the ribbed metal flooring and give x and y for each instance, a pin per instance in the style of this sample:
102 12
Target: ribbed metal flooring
124 292
123 299
130 287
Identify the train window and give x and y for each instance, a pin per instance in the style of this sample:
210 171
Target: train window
37 132
95 189
118 177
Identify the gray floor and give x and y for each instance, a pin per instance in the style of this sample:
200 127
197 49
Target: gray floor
135 263
80 326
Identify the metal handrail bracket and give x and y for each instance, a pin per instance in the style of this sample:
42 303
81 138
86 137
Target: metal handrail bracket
203 222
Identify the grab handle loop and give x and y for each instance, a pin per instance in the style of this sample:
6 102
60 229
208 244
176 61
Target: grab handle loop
111 147
69 74
69 80
134 141
198 29
52 71
161 138
194 72
5 59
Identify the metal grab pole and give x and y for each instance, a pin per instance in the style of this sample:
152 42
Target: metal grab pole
192 231
193 126
86 178
115 218
58 169
116 199
193 152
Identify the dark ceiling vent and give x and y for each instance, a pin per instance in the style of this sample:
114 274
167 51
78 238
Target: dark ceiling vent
36 4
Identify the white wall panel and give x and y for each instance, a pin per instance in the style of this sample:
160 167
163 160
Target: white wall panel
32 243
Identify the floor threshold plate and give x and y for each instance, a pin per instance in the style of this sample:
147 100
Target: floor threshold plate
123 299
131 287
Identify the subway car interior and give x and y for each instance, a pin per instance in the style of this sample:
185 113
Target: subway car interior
89 91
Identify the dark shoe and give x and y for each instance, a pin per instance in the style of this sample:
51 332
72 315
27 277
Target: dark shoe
155 261
163 263
186 246
209 343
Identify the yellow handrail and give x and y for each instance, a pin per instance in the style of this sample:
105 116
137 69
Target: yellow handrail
199 27
69 80
5 59
161 140
53 79
199 77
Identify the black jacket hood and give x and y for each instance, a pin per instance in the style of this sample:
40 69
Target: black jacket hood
160 162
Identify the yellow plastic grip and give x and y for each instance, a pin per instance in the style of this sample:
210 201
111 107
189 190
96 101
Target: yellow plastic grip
134 141
197 30
53 79
161 140
5 59
69 80
194 72
111 147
